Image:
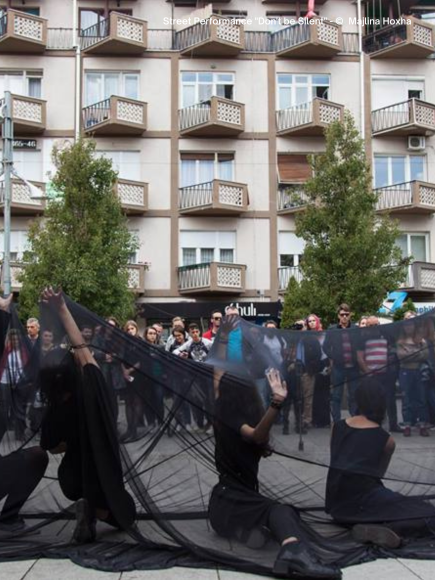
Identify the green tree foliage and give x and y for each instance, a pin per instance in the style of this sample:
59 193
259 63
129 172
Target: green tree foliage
83 243
350 254
400 312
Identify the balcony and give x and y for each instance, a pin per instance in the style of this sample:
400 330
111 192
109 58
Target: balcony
412 117
115 116
321 39
413 197
118 35
308 119
136 278
16 271
217 117
420 278
217 197
218 37
22 33
21 202
212 278
28 115
291 199
414 40
133 196
285 274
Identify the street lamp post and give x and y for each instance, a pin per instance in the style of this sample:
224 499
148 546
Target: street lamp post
7 137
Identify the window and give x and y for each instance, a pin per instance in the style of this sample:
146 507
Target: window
91 16
388 91
126 163
29 164
277 22
197 87
201 168
24 83
19 244
415 245
102 85
394 169
207 246
133 257
290 249
299 89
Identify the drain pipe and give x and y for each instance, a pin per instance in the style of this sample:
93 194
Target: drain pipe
361 68
78 83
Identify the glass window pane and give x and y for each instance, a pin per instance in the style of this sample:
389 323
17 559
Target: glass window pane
301 95
206 170
131 86
402 242
111 85
88 18
302 80
205 77
207 255
188 172
225 78
284 97
418 248
188 96
188 77
226 170
286 260
227 255
205 92
416 163
285 79
321 80
35 87
189 256
93 89
398 170
381 171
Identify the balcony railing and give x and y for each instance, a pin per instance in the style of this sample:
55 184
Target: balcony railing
291 198
118 34
22 33
217 117
212 278
28 115
309 118
133 196
414 40
407 198
285 274
22 203
322 39
115 116
136 276
217 197
219 36
409 117
420 277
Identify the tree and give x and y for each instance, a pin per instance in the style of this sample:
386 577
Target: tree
82 244
400 312
350 254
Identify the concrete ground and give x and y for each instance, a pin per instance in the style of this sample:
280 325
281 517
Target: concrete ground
45 569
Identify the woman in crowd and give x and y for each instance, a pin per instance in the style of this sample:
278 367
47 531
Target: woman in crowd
322 386
360 454
236 507
154 409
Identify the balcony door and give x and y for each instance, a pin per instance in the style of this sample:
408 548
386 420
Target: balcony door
100 86
391 91
197 168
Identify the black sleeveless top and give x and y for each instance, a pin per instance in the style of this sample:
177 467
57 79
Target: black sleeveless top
355 467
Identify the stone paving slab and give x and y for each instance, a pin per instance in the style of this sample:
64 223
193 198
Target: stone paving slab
46 569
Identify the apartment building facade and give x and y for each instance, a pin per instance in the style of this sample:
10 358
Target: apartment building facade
209 119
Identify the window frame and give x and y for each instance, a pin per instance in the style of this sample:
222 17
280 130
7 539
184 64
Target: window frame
218 246
294 85
216 168
407 167
425 235
25 76
197 83
121 83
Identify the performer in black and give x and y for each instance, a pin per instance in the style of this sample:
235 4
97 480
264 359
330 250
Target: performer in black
80 423
360 454
236 507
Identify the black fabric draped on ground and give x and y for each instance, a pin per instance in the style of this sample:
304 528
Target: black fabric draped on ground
155 444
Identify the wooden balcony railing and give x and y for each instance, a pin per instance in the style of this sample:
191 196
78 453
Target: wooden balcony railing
212 278
115 116
322 39
133 196
22 203
28 115
22 33
291 198
217 117
308 119
285 274
412 197
219 36
217 197
118 34
412 117
414 40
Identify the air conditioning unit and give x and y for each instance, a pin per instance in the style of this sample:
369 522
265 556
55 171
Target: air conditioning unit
416 143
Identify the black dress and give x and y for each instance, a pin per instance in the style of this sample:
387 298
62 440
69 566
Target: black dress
354 489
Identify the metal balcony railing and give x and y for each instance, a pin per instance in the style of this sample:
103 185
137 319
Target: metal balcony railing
95 33
405 117
191 36
117 34
285 274
413 40
412 197
290 36
212 277
308 118
291 198
115 115
96 113
216 116
214 197
384 38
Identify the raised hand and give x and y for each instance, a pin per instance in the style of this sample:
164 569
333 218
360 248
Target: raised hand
277 385
55 299
228 324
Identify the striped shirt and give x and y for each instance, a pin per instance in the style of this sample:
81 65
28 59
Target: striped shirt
376 354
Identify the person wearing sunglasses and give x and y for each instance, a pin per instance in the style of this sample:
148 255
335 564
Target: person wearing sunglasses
341 345
216 319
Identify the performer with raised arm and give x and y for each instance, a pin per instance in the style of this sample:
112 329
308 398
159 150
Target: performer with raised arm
80 423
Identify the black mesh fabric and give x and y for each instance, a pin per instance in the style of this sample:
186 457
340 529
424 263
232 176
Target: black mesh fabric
162 486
